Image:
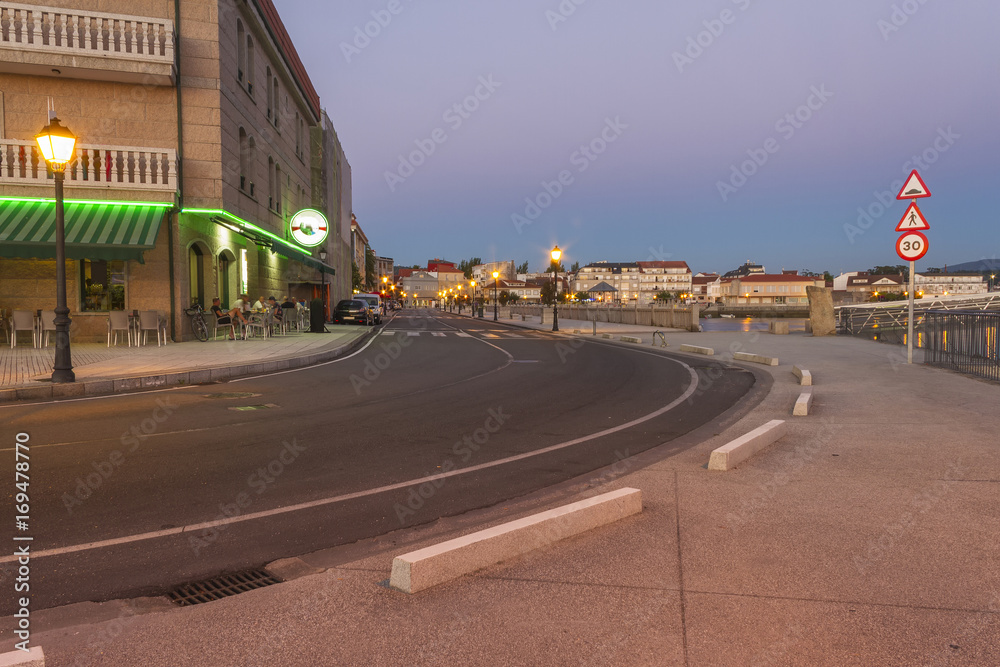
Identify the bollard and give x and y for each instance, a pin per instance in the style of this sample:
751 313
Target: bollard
595 327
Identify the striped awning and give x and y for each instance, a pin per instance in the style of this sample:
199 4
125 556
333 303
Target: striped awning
93 230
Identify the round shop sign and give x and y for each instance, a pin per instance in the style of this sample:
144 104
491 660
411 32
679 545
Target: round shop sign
309 227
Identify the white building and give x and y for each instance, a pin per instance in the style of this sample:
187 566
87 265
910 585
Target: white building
948 284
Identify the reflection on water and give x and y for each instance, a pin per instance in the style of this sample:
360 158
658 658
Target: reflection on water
795 324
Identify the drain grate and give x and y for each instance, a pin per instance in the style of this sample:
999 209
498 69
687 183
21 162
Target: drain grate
232 394
223 586
244 408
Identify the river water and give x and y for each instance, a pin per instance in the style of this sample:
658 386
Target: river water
795 324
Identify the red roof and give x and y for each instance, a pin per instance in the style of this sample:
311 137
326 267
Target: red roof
704 280
445 269
404 273
775 278
291 55
664 265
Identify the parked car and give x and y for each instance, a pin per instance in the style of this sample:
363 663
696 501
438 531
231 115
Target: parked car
354 311
375 302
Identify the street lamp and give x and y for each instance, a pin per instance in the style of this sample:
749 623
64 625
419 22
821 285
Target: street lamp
496 275
57 145
322 258
556 254
472 285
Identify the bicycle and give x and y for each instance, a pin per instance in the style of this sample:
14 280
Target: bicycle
198 324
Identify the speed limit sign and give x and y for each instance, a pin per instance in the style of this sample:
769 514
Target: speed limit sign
911 246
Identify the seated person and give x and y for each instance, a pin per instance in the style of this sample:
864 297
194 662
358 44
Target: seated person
226 318
242 304
288 303
260 306
272 306
300 304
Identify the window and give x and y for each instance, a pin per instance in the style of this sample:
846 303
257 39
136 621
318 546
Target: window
102 285
298 135
250 59
244 152
241 54
277 102
278 189
270 93
270 183
251 161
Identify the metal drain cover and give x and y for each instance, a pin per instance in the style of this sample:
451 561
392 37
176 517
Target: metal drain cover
231 394
223 586
244 408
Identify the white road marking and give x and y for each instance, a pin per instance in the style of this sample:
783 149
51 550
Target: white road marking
371 492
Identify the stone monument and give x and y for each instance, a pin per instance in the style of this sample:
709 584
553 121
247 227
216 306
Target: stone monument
821 311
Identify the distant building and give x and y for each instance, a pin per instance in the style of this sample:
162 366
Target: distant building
483 273
384 269
420 288
864 286
948 284
747 269
635 282
762 288
705 287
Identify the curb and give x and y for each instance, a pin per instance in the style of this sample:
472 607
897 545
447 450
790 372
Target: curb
436 564
182 378
739 450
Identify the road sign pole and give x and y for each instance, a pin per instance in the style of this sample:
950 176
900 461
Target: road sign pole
909 322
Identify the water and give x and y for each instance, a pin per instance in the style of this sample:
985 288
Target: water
795 324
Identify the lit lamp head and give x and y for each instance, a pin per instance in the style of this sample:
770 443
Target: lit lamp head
322 254
56 144
556 254
496 274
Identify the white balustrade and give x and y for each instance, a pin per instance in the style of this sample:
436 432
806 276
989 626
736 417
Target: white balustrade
61 30
94 166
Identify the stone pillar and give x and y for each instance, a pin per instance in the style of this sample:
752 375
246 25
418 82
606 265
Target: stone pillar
821 311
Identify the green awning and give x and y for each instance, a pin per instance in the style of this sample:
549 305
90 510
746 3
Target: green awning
94 230
290 252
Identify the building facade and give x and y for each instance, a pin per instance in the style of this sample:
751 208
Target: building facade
635 283
762 289
200 136
949 284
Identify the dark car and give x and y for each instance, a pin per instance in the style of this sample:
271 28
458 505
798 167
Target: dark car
352 310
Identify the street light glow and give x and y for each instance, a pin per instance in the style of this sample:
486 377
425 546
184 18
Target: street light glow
56 144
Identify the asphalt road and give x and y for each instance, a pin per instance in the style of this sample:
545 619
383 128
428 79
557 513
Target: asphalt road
438 415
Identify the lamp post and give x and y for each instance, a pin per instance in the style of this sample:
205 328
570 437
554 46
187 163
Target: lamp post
57 145
322 258
472 286
496 276
556 254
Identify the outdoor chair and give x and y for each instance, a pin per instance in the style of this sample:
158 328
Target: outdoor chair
22 320
149 320
256 322
289 319
46 325
231 326
118 321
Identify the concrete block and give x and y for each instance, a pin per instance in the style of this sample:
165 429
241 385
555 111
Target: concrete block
33 658
449 560
696 349
127 384
778 327
154 381
99 387
34 393
804 376
68 389
197 377
802 404
608 336
745 446
756 358
630 339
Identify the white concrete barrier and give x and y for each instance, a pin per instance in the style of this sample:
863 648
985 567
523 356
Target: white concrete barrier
745 446
33 658
608 336
756 358
804 376
802 404
449 560
696 349
630 339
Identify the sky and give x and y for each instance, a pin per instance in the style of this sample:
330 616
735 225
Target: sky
712 132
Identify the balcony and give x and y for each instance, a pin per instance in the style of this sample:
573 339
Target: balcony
123 168
47 41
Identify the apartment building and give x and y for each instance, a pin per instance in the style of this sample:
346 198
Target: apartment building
420 287
483 273
948 284
200 137
635 282
763 288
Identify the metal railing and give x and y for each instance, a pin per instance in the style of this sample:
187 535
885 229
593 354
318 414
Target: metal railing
81 32
95 166
963 341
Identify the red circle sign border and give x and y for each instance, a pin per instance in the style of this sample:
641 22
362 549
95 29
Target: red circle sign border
899 243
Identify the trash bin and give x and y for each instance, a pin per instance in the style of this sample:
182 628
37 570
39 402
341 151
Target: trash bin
316 316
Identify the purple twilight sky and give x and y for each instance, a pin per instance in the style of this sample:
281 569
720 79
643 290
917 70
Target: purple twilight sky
711 132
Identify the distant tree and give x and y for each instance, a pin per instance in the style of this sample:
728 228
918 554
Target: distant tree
932 269
555 266
889 270
575 268
356 282
522 267
548 293
514 298
371 265
504 297
581 296
416 266
466 265
827 276
664 295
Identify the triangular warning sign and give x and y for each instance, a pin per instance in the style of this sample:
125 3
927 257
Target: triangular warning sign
914 187
913 220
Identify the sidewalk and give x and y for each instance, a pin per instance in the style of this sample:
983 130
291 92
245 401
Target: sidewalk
866 536
24 372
